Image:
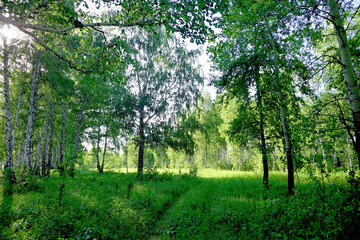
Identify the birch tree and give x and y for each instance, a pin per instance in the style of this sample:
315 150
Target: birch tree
164 81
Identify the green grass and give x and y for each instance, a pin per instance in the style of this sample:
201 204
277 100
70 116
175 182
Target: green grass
215 205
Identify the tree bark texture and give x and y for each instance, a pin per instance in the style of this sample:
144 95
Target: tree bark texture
348 69
9 173
16 119
33 100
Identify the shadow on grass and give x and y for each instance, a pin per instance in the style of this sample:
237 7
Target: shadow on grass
112 205
5 211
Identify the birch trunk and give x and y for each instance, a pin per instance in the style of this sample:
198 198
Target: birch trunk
17 150
348 69
49 160
38 152
62 141
21 152
76 141
290 163
141 145
98 148
9 173
104 154
16 119
33 100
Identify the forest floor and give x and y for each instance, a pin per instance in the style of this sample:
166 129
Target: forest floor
215 205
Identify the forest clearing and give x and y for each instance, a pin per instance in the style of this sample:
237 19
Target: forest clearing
163 119
215 205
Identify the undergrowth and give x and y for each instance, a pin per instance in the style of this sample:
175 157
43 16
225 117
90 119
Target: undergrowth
215 205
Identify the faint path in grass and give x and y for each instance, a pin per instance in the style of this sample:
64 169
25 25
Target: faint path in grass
192 202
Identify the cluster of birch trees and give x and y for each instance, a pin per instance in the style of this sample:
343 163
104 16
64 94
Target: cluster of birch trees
113 73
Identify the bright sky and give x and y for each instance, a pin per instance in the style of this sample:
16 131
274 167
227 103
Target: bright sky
205 63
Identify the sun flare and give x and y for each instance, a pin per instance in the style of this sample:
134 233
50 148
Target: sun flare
10 33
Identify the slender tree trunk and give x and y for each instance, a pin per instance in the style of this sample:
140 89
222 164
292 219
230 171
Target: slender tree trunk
262 134
38 152
17 150
16 119
45 144
33 100
290 163
348 69
104 153
48 164
57 156
21 152
62 141
98 148
76 140
141 145
9 173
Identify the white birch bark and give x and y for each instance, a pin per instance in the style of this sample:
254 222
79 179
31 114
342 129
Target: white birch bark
288 150
38 152
9 173
348 69
33 100
16 119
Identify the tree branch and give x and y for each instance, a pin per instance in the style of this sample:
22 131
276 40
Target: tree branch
66 29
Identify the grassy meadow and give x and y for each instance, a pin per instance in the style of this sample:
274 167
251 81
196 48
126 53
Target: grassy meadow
168 205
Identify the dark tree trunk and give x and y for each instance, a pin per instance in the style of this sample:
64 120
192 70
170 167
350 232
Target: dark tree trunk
262 134
104 154
141 146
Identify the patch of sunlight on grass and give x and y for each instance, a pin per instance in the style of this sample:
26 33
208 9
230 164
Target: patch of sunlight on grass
216 173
